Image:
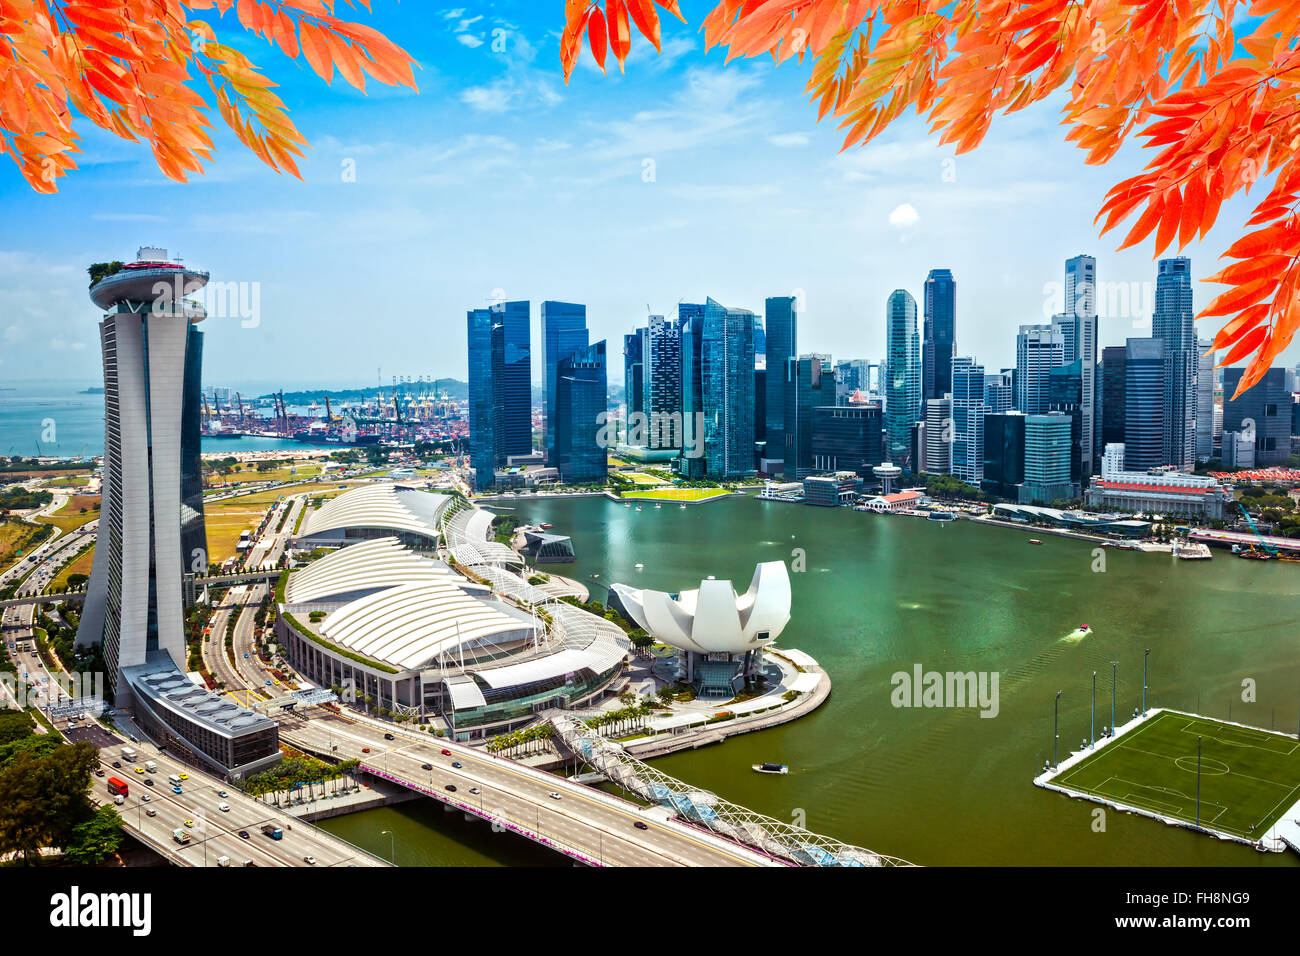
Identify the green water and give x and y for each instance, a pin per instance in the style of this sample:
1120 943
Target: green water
882 594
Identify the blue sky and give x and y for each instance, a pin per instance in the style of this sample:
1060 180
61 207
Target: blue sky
498 179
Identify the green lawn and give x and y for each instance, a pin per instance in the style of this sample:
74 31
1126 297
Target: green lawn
678 494
1249 778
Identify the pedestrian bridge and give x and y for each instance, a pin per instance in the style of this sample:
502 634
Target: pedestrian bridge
772 837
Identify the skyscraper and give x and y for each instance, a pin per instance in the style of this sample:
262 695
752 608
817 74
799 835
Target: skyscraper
1144 402
1039 349
1205 400
1172 321
500 386
1081 301
999 394
690 320
938 437
1263 413
847 438
903 374
1065 396
1004 454
939 333
1112 394
727 390
151 530
634 371
968 411
1047 460
564 331
580 399
809 383
782 327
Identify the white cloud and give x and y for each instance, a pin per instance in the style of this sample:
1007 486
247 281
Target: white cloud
904 216
469 40
453 14
786 140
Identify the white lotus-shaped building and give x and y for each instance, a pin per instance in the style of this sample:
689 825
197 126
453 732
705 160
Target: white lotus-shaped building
714 618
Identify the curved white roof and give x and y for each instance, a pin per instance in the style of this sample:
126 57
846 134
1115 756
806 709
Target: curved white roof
468 536
714 617
387 506
366 566
411 624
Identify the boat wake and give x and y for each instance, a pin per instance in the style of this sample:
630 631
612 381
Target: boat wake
1078 634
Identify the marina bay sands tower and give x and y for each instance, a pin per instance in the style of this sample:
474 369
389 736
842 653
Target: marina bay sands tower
151 529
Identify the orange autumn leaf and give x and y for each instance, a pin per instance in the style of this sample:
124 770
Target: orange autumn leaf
143 70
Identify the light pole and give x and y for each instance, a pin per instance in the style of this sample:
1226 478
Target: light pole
392 846
1145 655
1092 720
1056 723
1114 666
1198 781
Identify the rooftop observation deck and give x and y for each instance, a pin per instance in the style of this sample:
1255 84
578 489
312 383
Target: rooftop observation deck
143 283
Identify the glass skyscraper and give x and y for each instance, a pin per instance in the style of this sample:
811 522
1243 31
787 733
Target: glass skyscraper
580 399
939 333
1144 402
809 382
1081 304
717 391
1039 349
634 371
1173 322
781 345
1268 405
500 387
968 411
564 331
903 374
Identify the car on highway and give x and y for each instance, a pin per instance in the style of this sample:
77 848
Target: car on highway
640 826
222 794
99 771
243 835
388 736
176 790
223 807
148 783
139 769
151 812
475 790
456 764
446 752
183 775
365 750
117 765
145 798
553 795
189 824
423 766
309 860
451 787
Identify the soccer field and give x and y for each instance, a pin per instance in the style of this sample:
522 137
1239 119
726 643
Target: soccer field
678 494
1249 778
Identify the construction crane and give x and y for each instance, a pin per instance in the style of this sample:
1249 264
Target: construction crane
1263 543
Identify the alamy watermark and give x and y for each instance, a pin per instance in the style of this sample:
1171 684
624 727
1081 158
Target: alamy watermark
951 689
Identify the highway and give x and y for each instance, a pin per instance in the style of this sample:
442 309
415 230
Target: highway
215 833
588 823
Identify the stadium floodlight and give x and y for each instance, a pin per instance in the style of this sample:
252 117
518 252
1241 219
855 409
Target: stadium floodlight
1198 781
1092 722
1056 725
1145 655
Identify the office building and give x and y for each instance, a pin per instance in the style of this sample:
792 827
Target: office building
1206 359
1081 302
1172 322
718 391
634 371
1267 407
939 334
1065 396
564 332
851 376
809 382
1144 403
781 345
580 404
1112 394
848 438
935 444
999 392
968 411
903 373
662 385
500 387
1047 460
1039 349
1004 454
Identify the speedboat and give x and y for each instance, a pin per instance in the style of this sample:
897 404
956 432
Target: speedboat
770 768
1083 627
1034 541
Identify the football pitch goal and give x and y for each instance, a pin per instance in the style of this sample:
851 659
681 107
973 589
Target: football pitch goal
1248 777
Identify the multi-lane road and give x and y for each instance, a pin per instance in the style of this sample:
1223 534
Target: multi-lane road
234 834
589 823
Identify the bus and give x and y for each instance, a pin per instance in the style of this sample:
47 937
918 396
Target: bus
118 787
